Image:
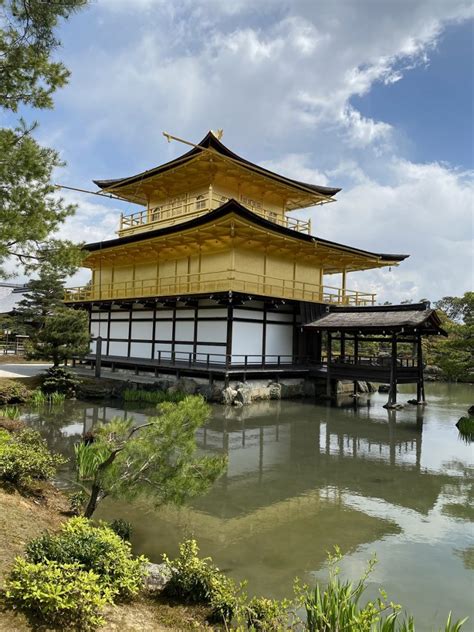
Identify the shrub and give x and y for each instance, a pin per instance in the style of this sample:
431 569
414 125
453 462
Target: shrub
77 500
96 549
60 380
12 392
465 425
122 528
12 424
25 457
65 595
266 614
197 580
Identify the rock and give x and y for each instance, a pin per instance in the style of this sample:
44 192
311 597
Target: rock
413 401
237 403
228 395
373 388
290 391
187 385
362 387
275 390
470 411
384 388
432 372
158 577
211 392
343 386
394 406
243 396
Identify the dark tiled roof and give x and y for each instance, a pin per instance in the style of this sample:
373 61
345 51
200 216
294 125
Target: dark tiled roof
379 320
210 141
232 206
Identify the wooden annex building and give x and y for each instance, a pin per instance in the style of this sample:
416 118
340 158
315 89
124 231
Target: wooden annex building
215 273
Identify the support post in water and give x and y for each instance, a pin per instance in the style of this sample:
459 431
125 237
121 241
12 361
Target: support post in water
98 356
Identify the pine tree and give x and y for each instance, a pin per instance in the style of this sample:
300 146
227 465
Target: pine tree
44 297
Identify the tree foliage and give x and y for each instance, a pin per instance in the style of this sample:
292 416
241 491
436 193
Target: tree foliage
45 295
30 209
65 334
455 354
28 76
156 459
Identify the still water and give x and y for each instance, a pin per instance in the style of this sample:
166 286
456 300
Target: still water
303 477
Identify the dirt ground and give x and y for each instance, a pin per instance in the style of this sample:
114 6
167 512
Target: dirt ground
23 518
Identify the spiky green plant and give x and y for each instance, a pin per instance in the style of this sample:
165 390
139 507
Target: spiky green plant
10 412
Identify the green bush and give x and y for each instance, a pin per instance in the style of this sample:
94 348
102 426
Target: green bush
60 380
64 595
267 615
197 580
96 549
12 392
122 528
465 425
25 457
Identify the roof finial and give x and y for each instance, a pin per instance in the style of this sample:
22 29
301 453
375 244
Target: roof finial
218 133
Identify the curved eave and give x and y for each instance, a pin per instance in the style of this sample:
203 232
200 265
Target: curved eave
234 207
211 142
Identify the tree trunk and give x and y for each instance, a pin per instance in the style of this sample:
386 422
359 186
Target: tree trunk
93 501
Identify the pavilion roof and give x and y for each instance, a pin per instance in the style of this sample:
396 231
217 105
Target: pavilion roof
120 186
234 209
381 319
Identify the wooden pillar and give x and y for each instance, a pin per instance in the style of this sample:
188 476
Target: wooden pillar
344 278
98 356
420 385
392 397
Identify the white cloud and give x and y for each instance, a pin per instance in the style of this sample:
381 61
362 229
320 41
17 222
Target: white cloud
280 78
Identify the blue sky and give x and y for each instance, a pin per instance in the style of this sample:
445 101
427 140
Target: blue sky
375 97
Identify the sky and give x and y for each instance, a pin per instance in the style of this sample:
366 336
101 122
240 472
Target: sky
372 96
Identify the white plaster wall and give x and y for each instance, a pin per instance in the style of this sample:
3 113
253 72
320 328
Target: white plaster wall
280 316
185 313
119 315
279 340
98 329
184 330
248 313
140 350
137 315
164 313
119 330
212 331
142 330
212 313
163 330
165 348
118 348
217 354
247 340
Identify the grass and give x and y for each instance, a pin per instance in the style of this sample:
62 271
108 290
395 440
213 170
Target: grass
39 398
10 412
152 397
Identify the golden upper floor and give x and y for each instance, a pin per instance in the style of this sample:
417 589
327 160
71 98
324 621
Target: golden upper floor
202 180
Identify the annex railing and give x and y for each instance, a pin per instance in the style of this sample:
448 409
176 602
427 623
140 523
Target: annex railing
226 280
189 207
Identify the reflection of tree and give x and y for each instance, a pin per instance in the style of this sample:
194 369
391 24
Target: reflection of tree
467 556
462 490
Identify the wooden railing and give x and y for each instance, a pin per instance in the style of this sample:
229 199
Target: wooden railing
223 281
194 206
375 361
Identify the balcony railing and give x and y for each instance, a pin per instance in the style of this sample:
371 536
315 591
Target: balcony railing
223 281
195 206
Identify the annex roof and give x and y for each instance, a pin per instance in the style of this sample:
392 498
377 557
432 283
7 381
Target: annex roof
232 207
381 319
121 186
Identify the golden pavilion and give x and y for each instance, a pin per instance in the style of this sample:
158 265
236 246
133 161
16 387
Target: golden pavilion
215 270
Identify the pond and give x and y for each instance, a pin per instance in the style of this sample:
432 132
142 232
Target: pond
302 478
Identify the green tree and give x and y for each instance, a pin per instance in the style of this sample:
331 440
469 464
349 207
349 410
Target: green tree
44 297
30 210
65 334
455 354
28 75
156 459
